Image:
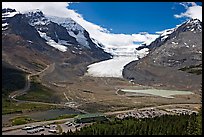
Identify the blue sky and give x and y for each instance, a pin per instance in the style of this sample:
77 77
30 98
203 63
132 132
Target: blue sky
131 17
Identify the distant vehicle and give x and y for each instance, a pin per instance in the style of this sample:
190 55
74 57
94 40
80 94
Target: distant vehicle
77 125
47 126
37 126
68 124
32 131
52 131
41 129
27 128
53 126
35 130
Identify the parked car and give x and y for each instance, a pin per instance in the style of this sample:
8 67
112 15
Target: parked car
47 126
68 124
27 128
41 129
52 131
77 125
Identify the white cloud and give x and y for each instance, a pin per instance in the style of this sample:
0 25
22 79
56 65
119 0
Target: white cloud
97 32
187 4
192 11
51 8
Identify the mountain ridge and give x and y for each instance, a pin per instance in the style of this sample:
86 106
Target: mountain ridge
31 34
166 59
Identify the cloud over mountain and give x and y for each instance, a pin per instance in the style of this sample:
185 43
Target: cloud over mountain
102 35
192 11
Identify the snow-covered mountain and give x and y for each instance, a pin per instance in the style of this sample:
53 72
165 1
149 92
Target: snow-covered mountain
174 60
74 34
60 33
190 25
77 31
39 38
69 37
67 31
74 29
7 13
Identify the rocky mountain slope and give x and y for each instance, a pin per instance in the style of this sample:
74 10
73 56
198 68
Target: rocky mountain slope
175 59
32 40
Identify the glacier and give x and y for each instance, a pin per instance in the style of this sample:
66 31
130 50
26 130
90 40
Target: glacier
114 67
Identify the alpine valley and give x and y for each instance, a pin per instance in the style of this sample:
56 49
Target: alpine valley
52 63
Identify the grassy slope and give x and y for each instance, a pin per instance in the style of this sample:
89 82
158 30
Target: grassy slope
9 107
13 79
38 92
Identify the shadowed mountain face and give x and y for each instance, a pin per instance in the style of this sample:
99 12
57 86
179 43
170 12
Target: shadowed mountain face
12 79
175 60
31 41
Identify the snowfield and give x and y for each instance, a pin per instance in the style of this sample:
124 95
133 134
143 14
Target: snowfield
113 67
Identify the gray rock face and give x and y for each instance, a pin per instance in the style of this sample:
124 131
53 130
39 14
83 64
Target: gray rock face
181 49
191 25
53 30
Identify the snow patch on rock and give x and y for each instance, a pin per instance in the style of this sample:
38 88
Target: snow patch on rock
52 42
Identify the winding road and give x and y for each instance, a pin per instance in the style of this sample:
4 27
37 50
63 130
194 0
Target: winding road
4 129
20 92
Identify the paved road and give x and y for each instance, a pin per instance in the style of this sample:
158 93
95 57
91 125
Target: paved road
4 129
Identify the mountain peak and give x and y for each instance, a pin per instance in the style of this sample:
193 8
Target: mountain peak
34 13
6 10
194 21
191 25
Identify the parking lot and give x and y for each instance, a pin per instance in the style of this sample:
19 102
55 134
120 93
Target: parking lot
70 125
150 113
34 130
48 129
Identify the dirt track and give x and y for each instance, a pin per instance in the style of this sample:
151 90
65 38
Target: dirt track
20 92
